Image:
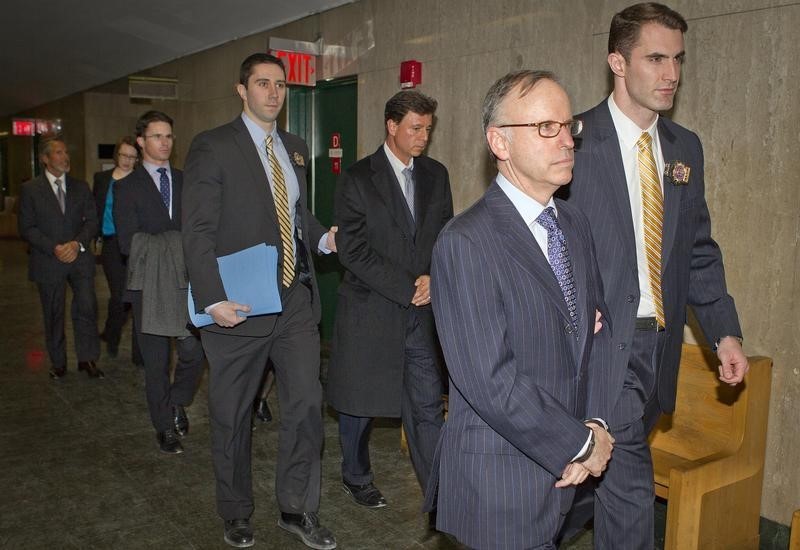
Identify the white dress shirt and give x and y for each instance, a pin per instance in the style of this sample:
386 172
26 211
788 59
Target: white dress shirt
628 133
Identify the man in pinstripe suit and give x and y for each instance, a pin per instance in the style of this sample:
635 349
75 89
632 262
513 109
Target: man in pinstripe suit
516 294
626 147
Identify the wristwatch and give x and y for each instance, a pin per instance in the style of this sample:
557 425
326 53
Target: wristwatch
716 344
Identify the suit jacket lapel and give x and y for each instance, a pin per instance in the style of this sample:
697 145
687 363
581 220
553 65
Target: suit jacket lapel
46 190
150 190
299 171
579 270
422 194
612 176
259 180
671 151
522 246
177 190
389 190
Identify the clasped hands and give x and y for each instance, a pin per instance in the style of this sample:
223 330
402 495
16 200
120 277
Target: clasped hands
67 252
422 296
576 472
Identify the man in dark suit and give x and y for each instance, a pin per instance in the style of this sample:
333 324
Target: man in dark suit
639 179
125 155
57 218
390 207
148 201
245 185
517 298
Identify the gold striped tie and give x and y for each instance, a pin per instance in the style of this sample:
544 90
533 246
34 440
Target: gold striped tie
652 219
282 210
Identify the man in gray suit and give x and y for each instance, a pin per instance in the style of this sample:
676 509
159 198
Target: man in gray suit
245 185
517 297
639 180
57 217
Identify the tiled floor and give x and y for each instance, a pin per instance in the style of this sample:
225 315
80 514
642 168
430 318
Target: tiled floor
79 466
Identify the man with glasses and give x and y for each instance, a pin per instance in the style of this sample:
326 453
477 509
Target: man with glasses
147 204
125 157
517 297
639 180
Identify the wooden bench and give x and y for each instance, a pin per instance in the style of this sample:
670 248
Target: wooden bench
708 456
794 542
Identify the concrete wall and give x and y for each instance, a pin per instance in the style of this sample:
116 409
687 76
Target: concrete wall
739 92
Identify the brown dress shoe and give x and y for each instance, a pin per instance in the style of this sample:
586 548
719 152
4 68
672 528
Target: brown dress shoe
91 369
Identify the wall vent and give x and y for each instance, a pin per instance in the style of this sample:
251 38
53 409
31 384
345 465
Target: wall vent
145 87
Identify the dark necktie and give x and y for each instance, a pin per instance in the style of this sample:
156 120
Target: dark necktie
281 196
62 198
408 188
558 256
163 183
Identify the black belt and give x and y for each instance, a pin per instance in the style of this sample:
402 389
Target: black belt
649 324
109 237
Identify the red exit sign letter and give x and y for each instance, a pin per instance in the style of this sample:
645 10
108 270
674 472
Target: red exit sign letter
20 127
301 68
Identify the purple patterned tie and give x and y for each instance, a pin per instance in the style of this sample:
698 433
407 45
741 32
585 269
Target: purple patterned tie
558 256
163 183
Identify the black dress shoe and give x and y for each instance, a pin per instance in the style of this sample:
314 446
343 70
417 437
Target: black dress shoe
262 410
91 369
113 350
366 495
180 419
169 443
58 373
432 520
238 533
307 528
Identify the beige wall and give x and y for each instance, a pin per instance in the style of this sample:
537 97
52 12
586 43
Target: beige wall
739 93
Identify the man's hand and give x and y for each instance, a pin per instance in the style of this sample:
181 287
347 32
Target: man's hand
733 361
574 474
330 240
224 313
598 323
601 454
423 294
67 252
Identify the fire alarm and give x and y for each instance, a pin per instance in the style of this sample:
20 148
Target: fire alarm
410 73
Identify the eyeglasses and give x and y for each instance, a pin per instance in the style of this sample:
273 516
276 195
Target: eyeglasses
159 137
129 157
550 128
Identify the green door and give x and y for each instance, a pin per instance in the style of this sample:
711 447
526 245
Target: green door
316 115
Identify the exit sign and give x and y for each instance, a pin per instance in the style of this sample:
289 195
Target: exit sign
301 68
23 127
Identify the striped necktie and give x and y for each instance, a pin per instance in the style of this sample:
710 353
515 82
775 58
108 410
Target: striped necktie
281 197
652 219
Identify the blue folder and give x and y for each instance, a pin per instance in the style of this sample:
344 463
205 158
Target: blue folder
249 277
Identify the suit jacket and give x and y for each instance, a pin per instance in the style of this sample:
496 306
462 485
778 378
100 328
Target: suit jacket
138 208
100 191
519 375
228 206
42 224
692 269
384 250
